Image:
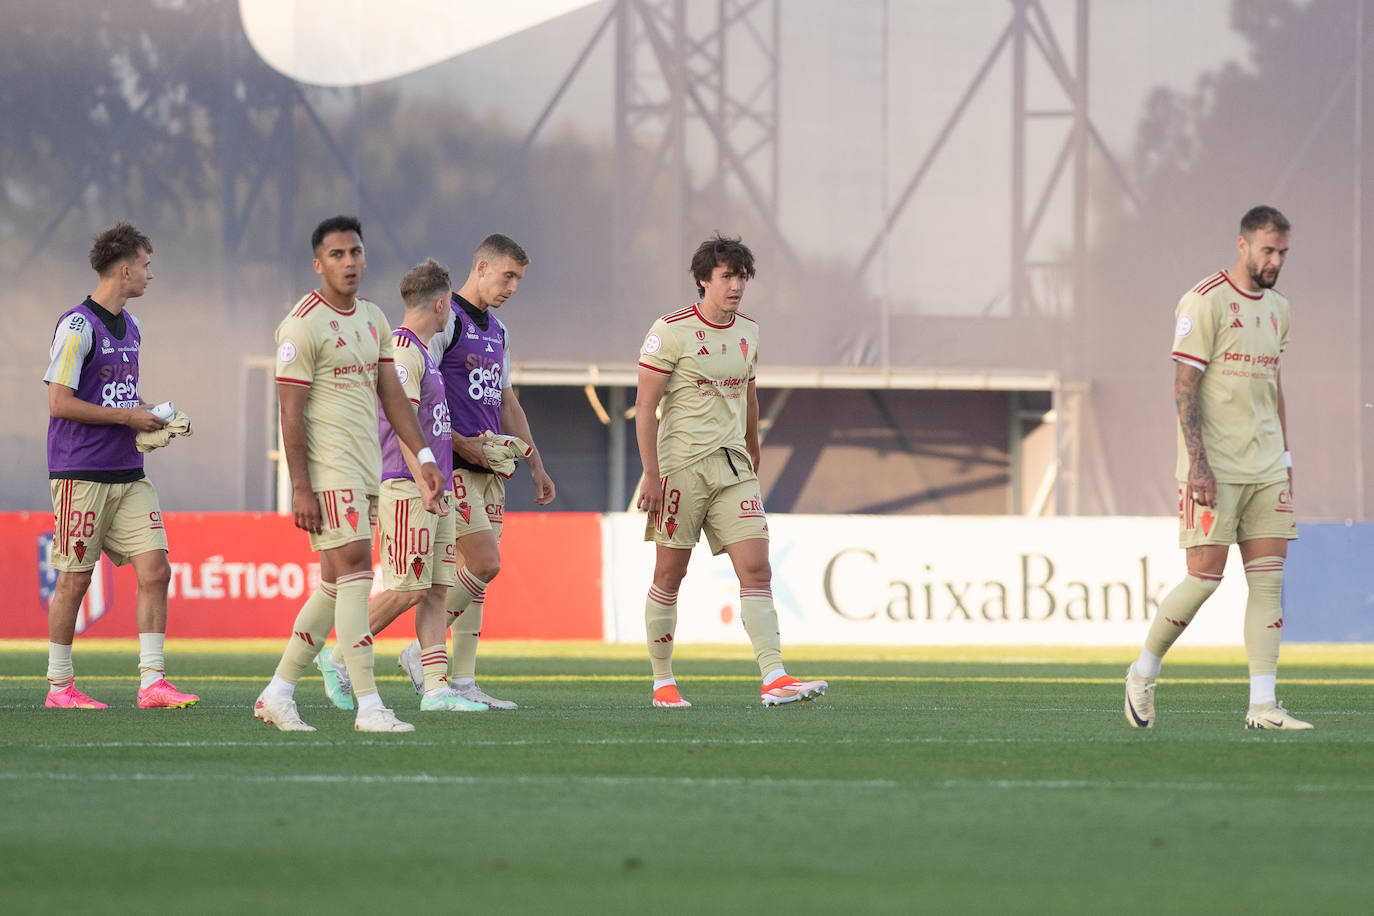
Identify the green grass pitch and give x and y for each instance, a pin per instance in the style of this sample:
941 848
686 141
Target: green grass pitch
930 780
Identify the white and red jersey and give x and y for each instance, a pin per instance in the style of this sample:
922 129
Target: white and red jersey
336 354
1235 338
709 368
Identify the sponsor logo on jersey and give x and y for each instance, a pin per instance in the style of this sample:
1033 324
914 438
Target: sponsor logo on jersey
105 348
1237 323
339 343
489 349
120 394
704 351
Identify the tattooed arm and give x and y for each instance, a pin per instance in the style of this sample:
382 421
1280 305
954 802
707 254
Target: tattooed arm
1201 480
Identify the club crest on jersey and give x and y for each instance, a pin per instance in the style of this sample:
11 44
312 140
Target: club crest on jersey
334 326
744 347
465 511
79 548
417 566
402 373
1207 519
701 335
670 526
352 516
1235 307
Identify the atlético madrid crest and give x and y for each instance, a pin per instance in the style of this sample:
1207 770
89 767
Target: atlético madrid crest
99 597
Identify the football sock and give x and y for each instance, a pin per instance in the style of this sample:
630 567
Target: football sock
369 700
60 673
664 681
461 596
1177 610
151 662
1264 614
1262 689
434 662
761 623
660 620
773 675
467 630
1148 664
308 633
280 687
355 640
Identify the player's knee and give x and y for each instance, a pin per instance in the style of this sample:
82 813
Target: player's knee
485 568
155 574
73 584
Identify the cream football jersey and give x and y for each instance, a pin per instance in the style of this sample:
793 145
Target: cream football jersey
1235 337
336 354
709 368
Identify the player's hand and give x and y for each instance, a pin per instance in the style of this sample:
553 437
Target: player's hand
305 506
651 494
142 420
1202 484
543 486
431 484
470 450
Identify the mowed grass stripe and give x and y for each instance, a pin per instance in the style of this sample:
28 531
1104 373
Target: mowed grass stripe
694 782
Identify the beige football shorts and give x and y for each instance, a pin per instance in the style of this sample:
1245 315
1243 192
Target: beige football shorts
418 547
718 494
121 519
479 503
346 516
1244 512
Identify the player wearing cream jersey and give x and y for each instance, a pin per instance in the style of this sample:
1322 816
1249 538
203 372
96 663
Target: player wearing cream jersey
334 363
700 460
418 550
101 500
1234 469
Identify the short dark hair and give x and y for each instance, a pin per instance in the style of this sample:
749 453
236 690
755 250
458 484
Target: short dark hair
1264 217
424 283
719 249
117 244
335 224
500 246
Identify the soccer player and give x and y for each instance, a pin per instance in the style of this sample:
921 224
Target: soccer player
700 464
476 367
334 363
1234 469
418 551
101 499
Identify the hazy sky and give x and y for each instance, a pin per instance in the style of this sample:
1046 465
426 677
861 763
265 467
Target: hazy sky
847 148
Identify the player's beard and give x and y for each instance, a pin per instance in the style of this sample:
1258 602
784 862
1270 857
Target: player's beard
1259 280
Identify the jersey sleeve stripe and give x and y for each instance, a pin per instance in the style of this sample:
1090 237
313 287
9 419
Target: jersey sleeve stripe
292 381
656 369
70 350
1189 360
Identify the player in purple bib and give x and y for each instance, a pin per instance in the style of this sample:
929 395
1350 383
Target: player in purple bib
102 503
475 362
